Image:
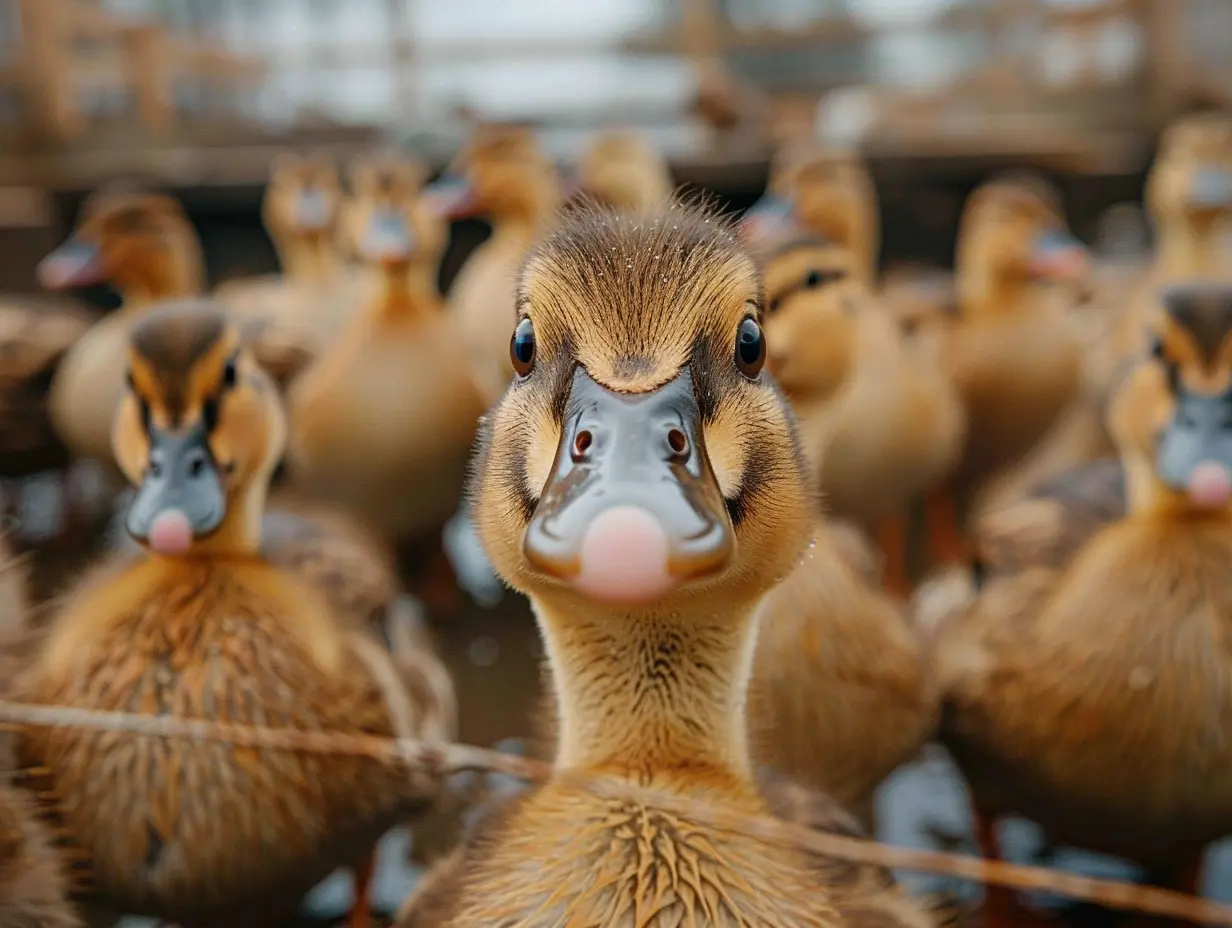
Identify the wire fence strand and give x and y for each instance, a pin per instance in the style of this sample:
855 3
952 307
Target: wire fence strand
442 759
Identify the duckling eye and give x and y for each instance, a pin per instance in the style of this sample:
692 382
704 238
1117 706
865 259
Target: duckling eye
750 348
522 348
813 279
229 374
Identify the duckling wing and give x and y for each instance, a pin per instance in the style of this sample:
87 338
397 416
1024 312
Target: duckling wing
1055 520
33 887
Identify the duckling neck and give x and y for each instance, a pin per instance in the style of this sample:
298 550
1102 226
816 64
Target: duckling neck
984 292
405 292
1189 246
644 695
308 259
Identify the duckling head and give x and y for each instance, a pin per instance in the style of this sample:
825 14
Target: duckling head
303 198
812 302
1191 179
642 457
1172 417
622 169
200 425
826 189
1011 232
502 172
387 221
141 243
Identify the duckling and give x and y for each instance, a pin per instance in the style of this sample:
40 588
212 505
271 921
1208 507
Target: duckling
641 482
300 210
1114 661
144 246
895 428
1013 352
830 192
503 174
840 694
624 170
204 624
403 344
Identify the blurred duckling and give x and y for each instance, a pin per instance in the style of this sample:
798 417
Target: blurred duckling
204 623
642 483
393 399
1114 660
894 429
143 245
300 212
504 175
624 170
830 192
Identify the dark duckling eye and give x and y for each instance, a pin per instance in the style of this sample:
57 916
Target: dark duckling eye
1170 368
812 280
750 348
522 348
229 374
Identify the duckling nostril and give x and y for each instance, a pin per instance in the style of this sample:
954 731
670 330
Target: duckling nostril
581 444
196 465
678 441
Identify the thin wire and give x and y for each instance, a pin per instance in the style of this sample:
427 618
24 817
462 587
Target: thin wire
442 759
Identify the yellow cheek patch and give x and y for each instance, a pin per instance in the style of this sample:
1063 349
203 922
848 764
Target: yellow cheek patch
726 438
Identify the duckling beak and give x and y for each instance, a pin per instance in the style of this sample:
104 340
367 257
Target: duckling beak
1194 456
76 263
454 197
632 508
388 239
771 215
312 210
1057 255
181 495
1211 188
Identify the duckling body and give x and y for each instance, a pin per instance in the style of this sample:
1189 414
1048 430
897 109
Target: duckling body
637 443
205 625
354 432
1113 661
33 887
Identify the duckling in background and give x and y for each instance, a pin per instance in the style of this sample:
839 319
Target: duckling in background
830 192
300 211
624 170
640 481
1013 350
840 695
383 422
204 623
143 245
502 174
1114 661
880 426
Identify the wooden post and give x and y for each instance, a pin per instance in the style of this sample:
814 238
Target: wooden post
150 75
46 68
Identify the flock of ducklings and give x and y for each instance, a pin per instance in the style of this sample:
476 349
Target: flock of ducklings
699 446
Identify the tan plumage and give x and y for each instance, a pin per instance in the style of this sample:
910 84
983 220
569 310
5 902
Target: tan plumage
624 170
1091 696
648 695
383 423
189 830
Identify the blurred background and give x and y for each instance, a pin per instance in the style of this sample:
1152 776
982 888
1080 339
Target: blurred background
196 96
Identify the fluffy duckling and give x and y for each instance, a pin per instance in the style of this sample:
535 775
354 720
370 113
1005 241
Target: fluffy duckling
300 210
641 482
355 438
143 245
504 175
828 191
1013 352
1114 661
622 169
203 623
881 422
